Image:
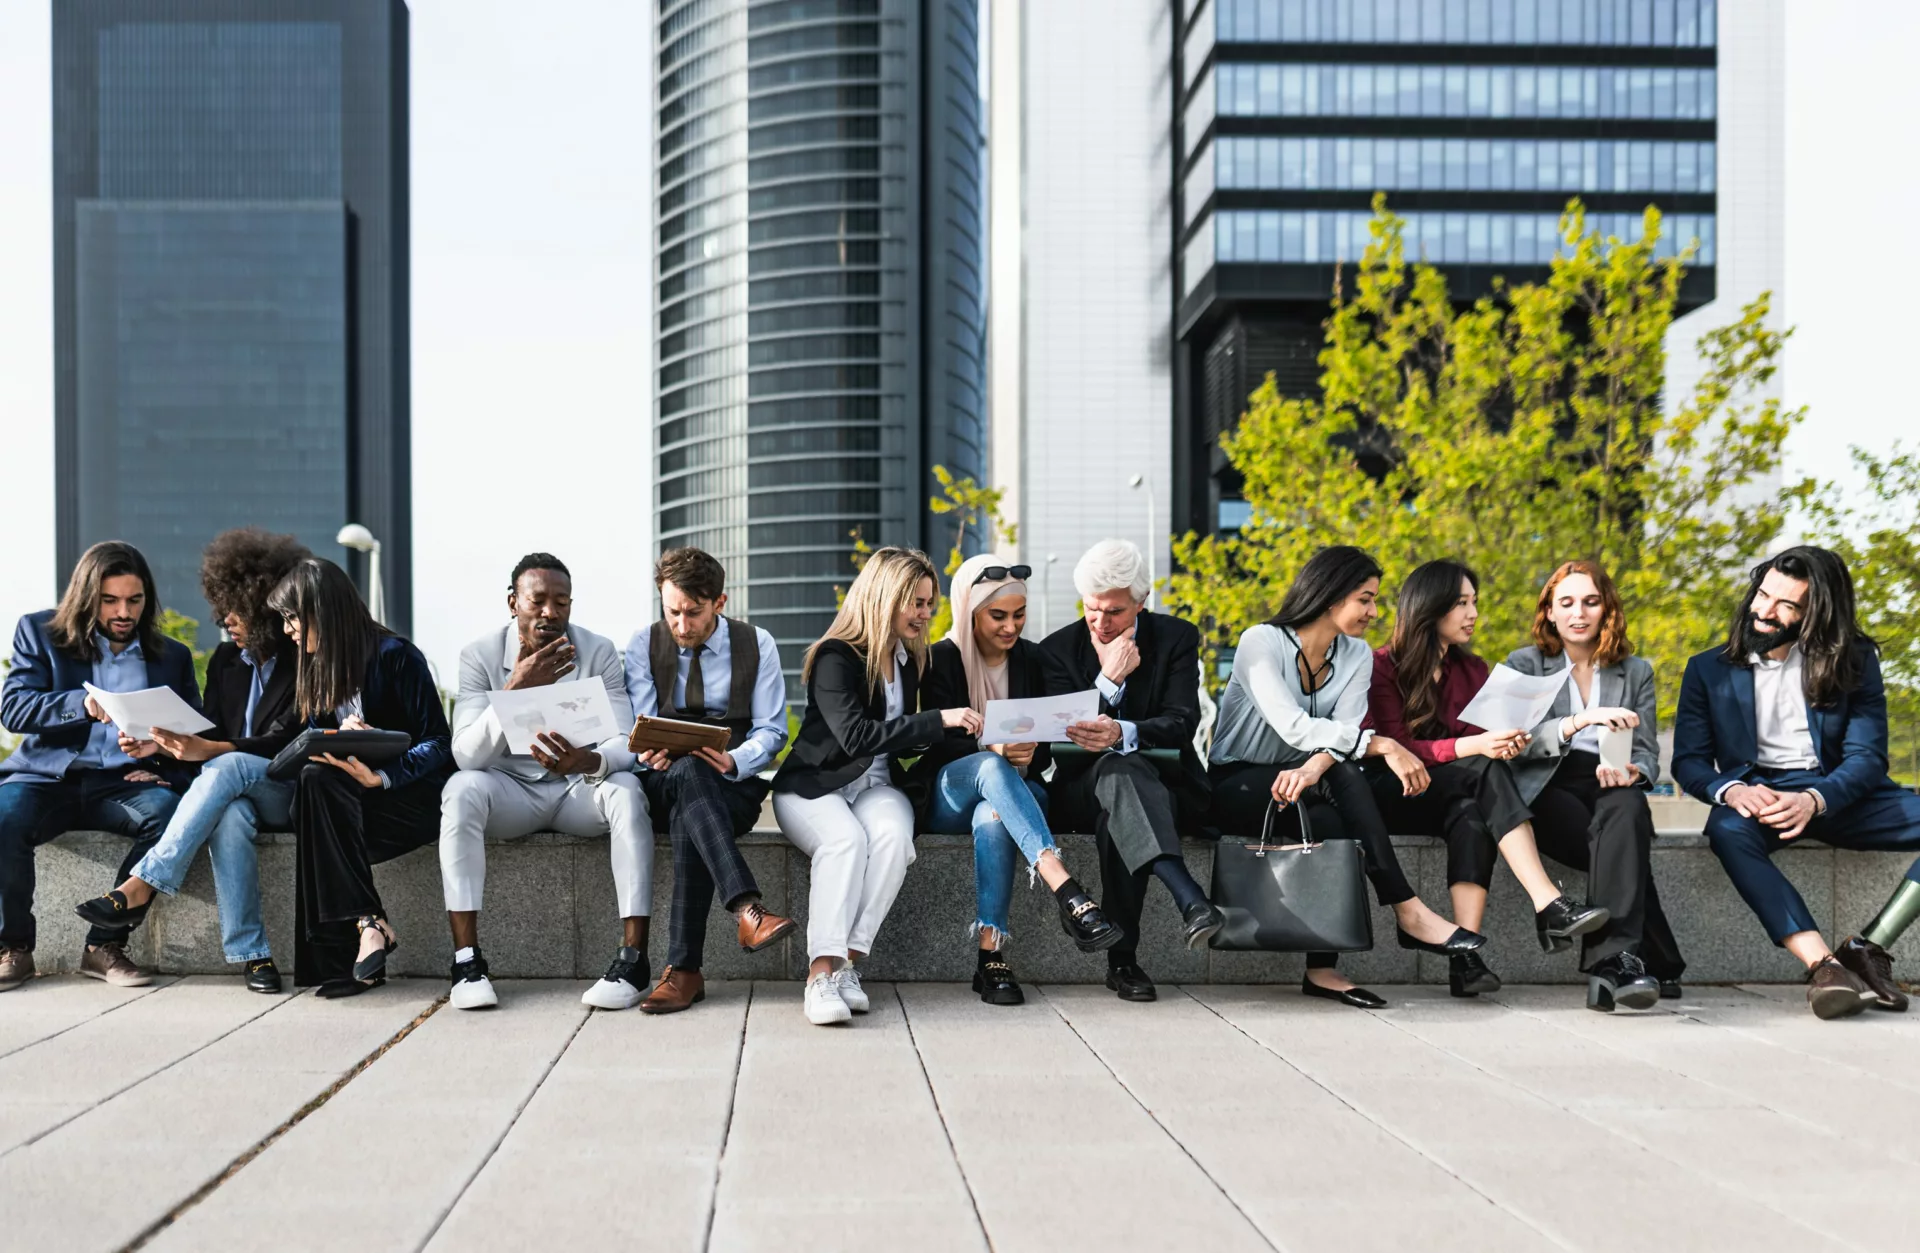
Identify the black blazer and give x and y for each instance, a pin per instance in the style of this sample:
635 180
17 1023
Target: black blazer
399 694
229 681
945 687
846 725
1162 696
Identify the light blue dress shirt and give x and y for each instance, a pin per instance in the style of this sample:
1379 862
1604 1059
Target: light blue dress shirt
1113 693
262 675
768 707
124 671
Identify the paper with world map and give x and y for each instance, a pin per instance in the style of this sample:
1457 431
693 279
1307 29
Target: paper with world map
578 711
1038 719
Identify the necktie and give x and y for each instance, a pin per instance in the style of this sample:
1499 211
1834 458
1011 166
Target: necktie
695 705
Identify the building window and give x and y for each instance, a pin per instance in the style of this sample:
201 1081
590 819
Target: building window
1278 236
1618 23
1547 91
1364 163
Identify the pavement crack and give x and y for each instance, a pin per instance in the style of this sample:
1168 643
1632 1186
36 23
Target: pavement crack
726 1128
945 1129
266 1142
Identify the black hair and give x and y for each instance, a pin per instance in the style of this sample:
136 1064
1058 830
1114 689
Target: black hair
343 635
1428 595
538 561
1828 630
1329 577
78 614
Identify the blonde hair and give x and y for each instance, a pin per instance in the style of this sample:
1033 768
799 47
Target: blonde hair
885 586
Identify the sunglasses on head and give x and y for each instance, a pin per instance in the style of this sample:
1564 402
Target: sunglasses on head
996 573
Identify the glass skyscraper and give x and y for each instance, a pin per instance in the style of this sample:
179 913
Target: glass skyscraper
819 304
230 293
1478 118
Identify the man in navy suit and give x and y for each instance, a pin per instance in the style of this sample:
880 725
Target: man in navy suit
74 769
1783 730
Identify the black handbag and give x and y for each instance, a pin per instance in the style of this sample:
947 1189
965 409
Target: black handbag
1309 897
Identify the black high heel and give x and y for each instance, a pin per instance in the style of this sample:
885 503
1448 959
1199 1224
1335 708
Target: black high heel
1461 941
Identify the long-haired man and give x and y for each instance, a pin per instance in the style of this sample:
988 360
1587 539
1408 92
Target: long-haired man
75 769
1783 730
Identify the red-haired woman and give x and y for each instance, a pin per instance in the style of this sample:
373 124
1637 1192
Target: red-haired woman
1589 815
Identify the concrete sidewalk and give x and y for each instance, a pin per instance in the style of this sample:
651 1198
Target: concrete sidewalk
192 1116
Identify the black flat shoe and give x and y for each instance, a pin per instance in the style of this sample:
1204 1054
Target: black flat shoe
1202 921
1468 975
993 980
374 964
340 989
1461 941
1621 980
1670 990
1086 926
112 910
263 976
1359 998
1562 920
1131 983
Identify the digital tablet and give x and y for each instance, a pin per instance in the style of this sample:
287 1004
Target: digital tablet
373 748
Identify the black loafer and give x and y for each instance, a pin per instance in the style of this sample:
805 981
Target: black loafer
1468 975
1359 998
1670 990
1621 980
112 910
263 976
994 982
1562 920
1131 983
1202 921
1088 928
1461 941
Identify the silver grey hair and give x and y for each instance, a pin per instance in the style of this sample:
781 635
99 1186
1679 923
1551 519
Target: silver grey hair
1109 565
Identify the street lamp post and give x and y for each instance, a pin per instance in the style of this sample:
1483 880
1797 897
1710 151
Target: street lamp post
360 539
1153 542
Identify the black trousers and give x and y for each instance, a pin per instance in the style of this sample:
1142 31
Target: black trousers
704 814
1340 807
1134 817
343 831
1470 803
1608 832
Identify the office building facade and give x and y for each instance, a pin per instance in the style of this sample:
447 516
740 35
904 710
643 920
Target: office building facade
231 279
819 288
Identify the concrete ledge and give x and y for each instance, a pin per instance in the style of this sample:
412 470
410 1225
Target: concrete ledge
551 913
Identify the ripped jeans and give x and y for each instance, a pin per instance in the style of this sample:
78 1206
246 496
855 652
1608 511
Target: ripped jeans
1007 815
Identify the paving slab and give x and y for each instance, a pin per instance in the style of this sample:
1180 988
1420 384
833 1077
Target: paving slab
835 1141
620 1147
163 1139
45 1007
381 1163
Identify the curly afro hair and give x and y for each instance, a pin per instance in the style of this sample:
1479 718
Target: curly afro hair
238 571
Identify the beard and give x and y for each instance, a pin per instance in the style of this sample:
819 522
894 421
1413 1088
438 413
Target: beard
1763 635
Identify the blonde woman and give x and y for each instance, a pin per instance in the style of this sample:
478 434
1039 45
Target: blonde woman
837 797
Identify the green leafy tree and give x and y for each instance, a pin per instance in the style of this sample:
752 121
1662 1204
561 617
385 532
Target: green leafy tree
180 628
972 507
1520 432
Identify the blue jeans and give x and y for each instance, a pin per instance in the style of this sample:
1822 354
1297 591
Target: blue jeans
1007 815
224 810
34 810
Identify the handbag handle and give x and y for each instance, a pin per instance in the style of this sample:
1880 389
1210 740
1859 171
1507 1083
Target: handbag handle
1307 842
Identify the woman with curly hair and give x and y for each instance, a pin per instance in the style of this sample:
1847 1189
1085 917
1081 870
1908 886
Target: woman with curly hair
249 696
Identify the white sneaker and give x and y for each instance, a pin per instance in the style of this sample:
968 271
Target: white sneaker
850 990
616 989
823 1004
471 987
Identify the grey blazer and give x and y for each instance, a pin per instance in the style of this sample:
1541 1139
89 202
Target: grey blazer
485 664
1627 684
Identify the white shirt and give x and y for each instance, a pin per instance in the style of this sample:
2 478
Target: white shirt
879 774
1782 738
1586 739
1265 709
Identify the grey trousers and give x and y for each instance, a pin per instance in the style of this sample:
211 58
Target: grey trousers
478 804
1131 811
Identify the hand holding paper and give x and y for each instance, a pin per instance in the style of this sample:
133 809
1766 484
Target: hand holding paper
1039 719
578 711
138 713
1511 701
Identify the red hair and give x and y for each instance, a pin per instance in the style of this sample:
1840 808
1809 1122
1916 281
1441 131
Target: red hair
1612 645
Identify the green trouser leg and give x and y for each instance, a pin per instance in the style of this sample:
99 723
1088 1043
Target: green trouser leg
1899 913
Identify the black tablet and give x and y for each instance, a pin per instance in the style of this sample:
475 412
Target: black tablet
374 748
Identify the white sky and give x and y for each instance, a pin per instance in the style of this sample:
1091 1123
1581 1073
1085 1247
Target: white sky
531 359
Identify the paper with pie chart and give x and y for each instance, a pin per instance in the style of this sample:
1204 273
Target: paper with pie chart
1038 719
580 712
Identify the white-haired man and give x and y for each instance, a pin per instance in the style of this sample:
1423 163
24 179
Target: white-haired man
1146 667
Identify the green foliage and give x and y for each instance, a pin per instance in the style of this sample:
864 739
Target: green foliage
1518 433
972 506
181 629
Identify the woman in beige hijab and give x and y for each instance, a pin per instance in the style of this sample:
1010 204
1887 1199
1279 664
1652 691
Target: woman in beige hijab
994 789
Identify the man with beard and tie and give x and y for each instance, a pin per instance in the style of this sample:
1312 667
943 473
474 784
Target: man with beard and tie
1783 730
74 769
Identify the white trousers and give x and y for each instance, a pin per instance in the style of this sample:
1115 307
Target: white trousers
478 804
860 841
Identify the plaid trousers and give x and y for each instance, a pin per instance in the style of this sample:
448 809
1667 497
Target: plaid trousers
703 814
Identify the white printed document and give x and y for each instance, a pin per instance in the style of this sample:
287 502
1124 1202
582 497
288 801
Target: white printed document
1511 701
1616 748
578 711
138 713
1038 719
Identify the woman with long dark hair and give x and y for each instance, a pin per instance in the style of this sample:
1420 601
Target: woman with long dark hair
1422 678
1291 732
355 674
1586 813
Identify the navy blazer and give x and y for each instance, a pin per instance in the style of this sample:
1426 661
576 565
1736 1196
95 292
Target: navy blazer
399 694
1715 735
44 699
1161 697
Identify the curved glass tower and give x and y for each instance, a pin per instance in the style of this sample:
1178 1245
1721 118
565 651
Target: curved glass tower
819 314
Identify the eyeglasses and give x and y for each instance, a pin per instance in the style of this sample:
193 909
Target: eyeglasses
996 573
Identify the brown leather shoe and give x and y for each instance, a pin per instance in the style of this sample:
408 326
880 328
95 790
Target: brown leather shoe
676 990
16 967
111 964
758 928
1833 991
1873 966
